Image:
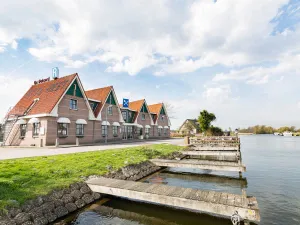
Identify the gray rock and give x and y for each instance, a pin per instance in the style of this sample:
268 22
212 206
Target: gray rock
76 194
50 217
61 211
67 191
47 198
67 198
74 187
48 207
57 194
7 222
81 184
22 218
38 201
28 223
13 212
71 207
36 212
58 202
80 203
96 196
40 221
87 198
85 189
27 206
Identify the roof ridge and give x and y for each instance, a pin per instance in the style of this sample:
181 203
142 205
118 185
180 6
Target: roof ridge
111 86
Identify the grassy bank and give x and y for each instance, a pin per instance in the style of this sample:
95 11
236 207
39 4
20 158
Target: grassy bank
27 178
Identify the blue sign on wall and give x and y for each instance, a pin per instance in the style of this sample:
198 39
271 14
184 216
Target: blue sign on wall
55 73
125 102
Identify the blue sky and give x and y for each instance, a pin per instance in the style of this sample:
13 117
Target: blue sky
238 59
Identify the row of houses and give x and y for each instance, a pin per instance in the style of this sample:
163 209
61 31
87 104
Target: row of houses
61 112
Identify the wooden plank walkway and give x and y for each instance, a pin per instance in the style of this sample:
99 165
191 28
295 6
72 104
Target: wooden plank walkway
223 204
212 153
200 164
214 148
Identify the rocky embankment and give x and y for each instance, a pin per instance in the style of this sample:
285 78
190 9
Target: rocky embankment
59 203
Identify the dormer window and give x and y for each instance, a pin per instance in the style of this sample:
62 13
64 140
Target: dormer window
162 118
73 104
109 111
143 116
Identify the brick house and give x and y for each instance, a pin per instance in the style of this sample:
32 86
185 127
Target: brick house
61 112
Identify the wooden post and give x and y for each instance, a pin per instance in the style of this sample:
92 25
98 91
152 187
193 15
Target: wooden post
77 141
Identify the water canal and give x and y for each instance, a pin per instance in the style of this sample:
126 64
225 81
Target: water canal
273 177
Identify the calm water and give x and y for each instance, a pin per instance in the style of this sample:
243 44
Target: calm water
273 176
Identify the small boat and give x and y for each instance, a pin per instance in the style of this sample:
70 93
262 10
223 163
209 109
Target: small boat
287 134
278 134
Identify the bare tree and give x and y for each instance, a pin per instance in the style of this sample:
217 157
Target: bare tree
170 110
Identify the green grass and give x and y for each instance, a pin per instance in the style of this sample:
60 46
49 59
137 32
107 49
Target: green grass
23 179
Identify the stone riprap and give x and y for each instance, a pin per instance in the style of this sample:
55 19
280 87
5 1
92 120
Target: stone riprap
46 209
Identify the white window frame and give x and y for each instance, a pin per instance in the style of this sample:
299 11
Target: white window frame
104 130
124 117
143 116
147 131
79 127
159 131
23 129
63 128
115 131
35 129
72 105
109 110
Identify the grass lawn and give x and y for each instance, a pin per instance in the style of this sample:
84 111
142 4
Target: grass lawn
22 179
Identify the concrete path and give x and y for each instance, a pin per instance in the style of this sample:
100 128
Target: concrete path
13 153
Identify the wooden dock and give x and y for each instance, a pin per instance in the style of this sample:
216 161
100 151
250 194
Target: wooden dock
212 153
214 148
200 164
218 203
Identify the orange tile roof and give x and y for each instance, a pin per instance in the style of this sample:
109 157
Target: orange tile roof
48 93
136 105
99 94
155 108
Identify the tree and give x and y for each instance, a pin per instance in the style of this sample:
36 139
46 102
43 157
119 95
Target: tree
214 131
205 120
170 110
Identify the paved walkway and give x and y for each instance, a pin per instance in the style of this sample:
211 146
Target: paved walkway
13 153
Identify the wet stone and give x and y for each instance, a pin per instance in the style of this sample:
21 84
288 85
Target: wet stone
80 203
87 198
96 196
40 221
61 211
71 207
22 218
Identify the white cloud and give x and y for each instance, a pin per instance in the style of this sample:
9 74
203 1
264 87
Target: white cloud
219 94
14 44
288 65
129 36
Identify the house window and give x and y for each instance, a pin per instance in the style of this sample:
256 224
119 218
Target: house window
73 104
115 131
109 111
141 131
143 116
23 130
35 131
165 131
162 118
124 114
79 130
104 130
62 129
147 131
159 131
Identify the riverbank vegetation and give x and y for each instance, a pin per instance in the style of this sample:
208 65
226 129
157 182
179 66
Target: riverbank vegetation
263 129
27 178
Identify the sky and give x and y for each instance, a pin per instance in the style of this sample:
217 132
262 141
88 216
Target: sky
237 59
